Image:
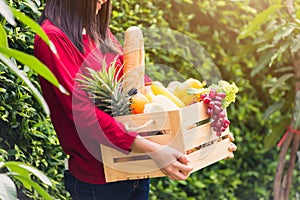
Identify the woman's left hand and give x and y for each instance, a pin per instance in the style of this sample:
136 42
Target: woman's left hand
232 146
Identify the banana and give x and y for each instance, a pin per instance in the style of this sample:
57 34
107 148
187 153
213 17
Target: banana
158 88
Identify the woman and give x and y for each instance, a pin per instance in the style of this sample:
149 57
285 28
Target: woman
83 37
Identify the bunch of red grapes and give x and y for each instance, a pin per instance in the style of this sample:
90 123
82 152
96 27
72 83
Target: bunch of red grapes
214 100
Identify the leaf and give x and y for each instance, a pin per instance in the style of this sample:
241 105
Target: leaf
34 27
21 166
1 163
258 21
20 74
297 111
34 64
262 62
8 190
284 69
265 47
280 82
283 32
3 37
295 44
272 109
298 14
37 187
277 1
283 48
15 169
270 32
37 173
188 1
38 2
6 12
33 7
277 131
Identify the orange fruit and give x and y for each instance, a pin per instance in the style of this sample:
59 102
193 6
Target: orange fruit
138 102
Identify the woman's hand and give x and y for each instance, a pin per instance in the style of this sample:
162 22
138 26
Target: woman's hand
232 146
173 163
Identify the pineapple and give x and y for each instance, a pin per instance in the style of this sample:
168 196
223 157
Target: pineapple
106 91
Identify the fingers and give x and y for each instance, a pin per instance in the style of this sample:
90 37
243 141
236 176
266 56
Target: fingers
231 149
175 175
183 168
232 146
166 155
231 138
184 160
177 171
172 162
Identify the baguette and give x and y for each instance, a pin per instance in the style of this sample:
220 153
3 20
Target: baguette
134 59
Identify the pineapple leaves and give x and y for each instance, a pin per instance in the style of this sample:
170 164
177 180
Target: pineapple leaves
105 89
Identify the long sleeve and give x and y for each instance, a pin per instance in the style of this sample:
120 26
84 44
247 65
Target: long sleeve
79 124
88 119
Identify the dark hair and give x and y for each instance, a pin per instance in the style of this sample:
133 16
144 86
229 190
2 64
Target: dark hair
71 16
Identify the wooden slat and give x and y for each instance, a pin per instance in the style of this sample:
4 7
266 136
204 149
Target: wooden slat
200 135
107 157
140 166
176 130
209 155
182 134
162 139
112 153
160 121
193 114
112 175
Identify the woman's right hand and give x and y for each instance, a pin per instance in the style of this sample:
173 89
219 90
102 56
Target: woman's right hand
173 163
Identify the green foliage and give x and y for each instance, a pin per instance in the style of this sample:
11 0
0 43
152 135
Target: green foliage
26 134
21 172
6 52
276 39
217 25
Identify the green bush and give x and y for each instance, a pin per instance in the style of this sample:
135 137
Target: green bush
26 133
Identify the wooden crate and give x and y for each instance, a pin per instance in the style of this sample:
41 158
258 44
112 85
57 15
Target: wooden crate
185 129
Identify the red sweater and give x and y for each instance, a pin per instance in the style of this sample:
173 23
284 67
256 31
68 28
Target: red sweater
80 126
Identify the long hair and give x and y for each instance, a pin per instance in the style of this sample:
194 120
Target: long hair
71 16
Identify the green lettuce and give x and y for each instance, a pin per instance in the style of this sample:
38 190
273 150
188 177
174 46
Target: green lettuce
230 89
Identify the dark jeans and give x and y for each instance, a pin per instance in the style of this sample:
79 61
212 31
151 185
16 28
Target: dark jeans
122 190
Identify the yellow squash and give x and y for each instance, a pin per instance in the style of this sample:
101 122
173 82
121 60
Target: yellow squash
157 88
180 90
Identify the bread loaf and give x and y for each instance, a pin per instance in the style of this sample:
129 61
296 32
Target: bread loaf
134 59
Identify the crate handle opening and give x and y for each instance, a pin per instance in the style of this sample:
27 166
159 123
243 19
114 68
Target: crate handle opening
131 158
204 145
155 133
197 124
